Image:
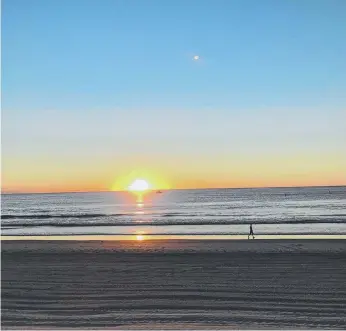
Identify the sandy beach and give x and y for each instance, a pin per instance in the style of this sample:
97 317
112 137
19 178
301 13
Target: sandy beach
174 284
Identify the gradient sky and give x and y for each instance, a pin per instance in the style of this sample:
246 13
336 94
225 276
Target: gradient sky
95 90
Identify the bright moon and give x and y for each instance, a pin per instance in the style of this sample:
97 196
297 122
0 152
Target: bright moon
196 57
139 185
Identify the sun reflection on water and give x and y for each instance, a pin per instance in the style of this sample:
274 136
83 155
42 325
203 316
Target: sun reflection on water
139 198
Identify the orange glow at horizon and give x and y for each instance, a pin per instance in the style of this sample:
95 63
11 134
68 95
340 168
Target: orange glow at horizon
285 172
140 181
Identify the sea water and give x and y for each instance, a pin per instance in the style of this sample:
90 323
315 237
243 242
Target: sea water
272 211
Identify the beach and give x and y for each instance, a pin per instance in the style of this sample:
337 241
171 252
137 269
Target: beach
174 284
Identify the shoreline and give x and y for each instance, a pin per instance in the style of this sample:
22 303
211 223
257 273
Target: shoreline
149 236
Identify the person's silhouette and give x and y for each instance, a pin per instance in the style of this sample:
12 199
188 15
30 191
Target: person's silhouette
251 233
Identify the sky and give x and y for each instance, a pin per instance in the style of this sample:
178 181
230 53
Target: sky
98 92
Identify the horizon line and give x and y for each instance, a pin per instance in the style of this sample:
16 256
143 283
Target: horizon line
178 189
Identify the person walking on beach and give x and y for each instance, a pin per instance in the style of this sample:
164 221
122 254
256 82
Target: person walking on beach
251 233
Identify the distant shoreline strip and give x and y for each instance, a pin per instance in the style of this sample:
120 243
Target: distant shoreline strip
108 237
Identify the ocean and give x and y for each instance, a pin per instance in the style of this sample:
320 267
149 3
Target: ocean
216 212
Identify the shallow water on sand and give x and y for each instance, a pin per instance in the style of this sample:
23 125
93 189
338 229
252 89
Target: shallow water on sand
318 210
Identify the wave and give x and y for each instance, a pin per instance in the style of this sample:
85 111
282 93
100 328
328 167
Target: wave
88 215
99 215
171 223
43 216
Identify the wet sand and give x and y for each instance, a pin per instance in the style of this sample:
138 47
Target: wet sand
174 284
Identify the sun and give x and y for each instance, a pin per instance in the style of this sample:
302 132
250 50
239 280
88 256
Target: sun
139 185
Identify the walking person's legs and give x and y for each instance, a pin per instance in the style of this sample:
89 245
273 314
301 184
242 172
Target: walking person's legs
248 237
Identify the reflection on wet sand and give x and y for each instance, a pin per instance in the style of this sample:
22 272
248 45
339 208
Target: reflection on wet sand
140 237
168 237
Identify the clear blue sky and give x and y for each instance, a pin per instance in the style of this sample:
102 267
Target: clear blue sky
110 79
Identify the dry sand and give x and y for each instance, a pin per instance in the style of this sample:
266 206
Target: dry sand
175 284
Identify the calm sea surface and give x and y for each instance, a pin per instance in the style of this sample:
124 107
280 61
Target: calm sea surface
318 210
